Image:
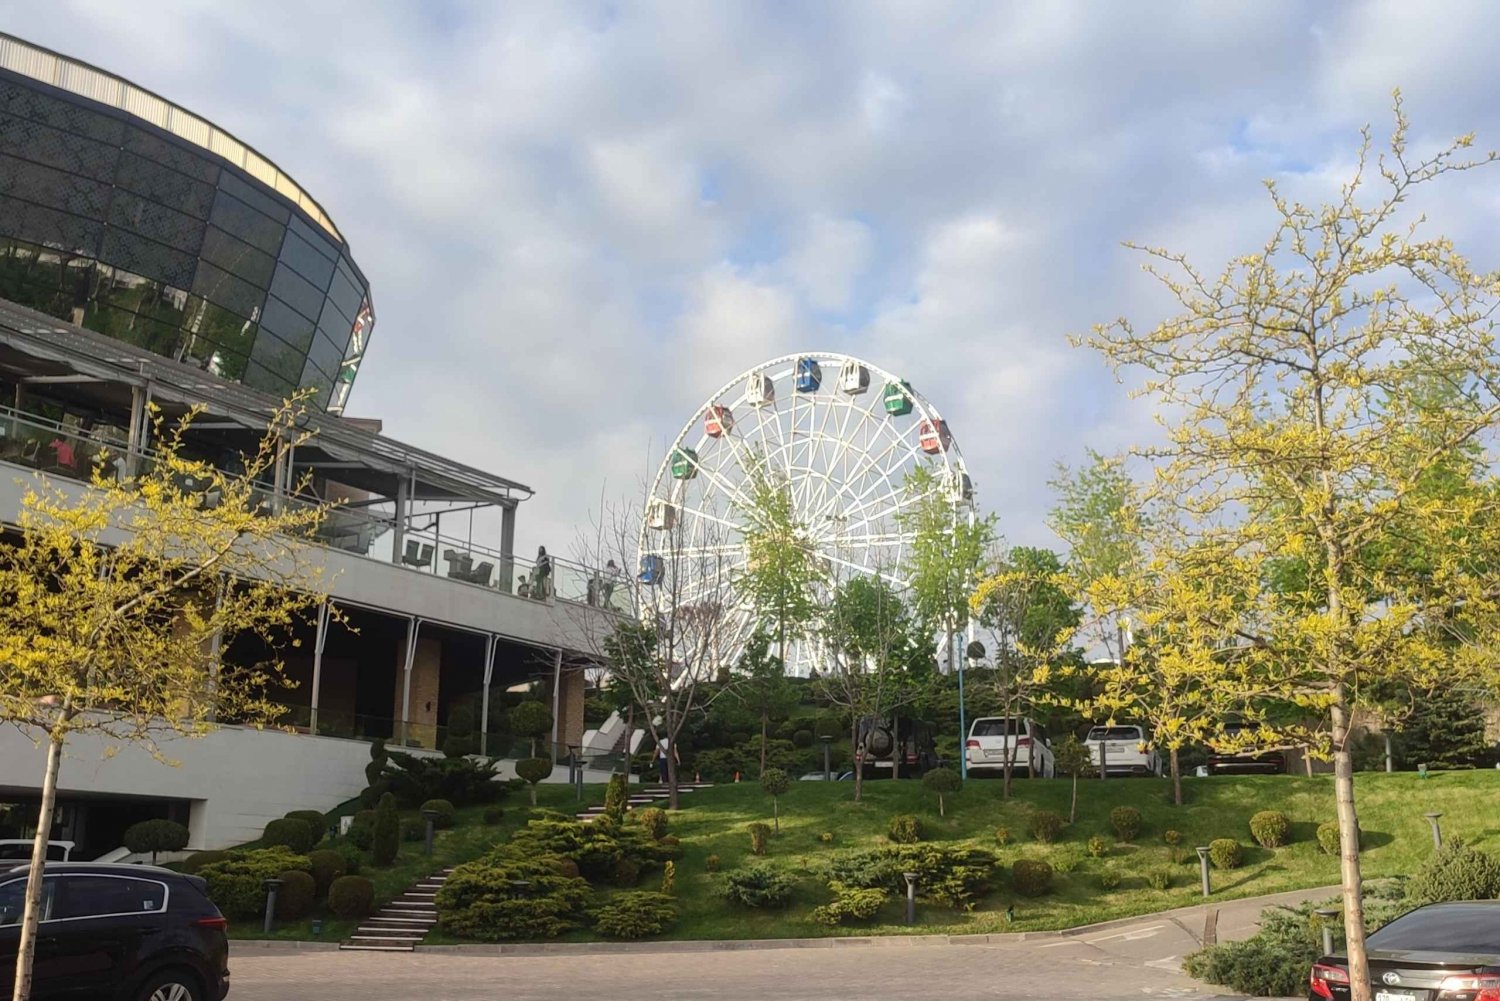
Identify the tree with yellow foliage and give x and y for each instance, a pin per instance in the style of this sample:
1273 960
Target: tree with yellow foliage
117 599
1330 402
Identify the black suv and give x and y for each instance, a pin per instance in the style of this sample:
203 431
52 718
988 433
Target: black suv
117 932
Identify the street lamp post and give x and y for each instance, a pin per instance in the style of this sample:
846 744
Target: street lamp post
271 885
1203 866
827 740
911 896
974 654
1327 916
1437 832
429 817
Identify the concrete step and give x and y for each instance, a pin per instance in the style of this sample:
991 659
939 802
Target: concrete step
371 947
365 933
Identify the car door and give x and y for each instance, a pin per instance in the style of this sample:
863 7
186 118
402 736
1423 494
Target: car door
45 968
99 923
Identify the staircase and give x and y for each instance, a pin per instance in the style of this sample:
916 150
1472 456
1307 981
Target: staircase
644 796
400 925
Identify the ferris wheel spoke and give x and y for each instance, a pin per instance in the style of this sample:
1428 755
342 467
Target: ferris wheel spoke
870 463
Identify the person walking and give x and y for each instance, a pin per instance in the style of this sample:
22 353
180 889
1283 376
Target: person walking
663 748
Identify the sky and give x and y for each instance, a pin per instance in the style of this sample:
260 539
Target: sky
580 219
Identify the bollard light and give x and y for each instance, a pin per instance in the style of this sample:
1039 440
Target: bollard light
1202 851
575 769
1328 916
271 885
430 816
520 886
827 757
1437 832
317 926
911 896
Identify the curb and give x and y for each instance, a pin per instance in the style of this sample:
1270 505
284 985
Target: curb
277 945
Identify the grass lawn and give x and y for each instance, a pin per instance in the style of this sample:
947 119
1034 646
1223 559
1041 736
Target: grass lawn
1396 837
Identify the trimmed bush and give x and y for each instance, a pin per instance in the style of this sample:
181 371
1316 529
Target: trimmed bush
944 782
385 832
313 819
493 815
953 875
1126 820
194 863
295 896
1226 853
1046 826
760 836
802 739
296 836
461 781
757 885
711 864
444 811
1261 965
1270 828
533 770
905 829
1098 847
156 836
826 837
671 840
1172 838
326 865
638 914
669 878
532 721
653 820
353 860
616 797
236 883
1328 837
849 903
413 829
1455 871
1031 877
362 830
627 872
479 899
351 897
1002 836
1109 879
1160 878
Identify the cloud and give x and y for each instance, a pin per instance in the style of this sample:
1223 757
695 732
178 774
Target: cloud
828 258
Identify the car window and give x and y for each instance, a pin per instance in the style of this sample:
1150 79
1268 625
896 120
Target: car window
13 900
1114 733
1473 929
85 896
998 726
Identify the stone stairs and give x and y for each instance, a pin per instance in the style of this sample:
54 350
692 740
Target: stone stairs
400 925
646 795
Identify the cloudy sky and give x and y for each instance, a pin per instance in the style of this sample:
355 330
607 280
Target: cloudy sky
579 219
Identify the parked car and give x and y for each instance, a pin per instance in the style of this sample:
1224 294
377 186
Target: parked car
1229 761
881 744
14 850
117 932
818 777
1441 952
992 738
1124 749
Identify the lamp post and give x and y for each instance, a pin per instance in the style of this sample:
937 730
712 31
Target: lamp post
827 740
1326 917
575 769
430 817
974 654
1203 866
520 886
1437 832
911 896
271 886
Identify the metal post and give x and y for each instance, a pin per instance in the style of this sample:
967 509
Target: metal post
1390 757
556 703
827 758
911 896
1437 832
1203 866
413 626
136 430
320 639
1327 916
430 817
963 727
1104 757
507 547
270 886
484 698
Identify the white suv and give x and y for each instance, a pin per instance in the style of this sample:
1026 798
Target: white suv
1124 749
993 738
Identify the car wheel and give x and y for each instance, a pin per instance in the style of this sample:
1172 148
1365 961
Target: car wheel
171 985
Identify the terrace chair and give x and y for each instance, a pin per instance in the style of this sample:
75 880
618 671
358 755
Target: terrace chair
481 574
417 554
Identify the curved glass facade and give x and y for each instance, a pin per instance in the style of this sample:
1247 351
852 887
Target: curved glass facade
115 224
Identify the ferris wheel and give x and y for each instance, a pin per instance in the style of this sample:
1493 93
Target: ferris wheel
842 439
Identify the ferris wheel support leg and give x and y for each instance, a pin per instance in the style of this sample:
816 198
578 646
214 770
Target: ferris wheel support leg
963 754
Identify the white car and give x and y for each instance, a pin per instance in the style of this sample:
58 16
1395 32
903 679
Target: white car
994 738
19 850
1124 750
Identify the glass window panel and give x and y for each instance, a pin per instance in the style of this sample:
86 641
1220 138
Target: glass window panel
96 896
310 264
28 102
335 330
326 355
162 224
312 378
229 365
137 294
294 290
52 187
179 157
253 195
133 328
346 295
315 237
227 290
144 257
261 378
277 356
43 144
43 225
239 219
160 184
230 331
288 324
238 257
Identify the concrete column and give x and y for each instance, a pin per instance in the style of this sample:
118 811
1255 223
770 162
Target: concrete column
570 706
556 699
484 695
507 547
398 536
136 433
320 639
413 625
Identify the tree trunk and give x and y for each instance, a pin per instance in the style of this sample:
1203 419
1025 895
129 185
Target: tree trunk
765 726
859 764
1073 807
776 813
672 774
531 788
26 946
1176 780
1354 905
941 811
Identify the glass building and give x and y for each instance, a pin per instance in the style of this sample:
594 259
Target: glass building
126 214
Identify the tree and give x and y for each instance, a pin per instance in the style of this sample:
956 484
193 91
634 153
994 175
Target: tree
531 771
950 546
776 783
783 574
1445 730
155 836
1302 428
1073 760
531 720
942 781
385 836
763 686
118 600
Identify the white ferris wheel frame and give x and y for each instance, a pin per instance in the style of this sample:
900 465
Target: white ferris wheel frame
842 415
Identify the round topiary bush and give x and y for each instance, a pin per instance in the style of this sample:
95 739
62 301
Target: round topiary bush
295 896
295 835
413 829
1098 847
1031 877
1109 879
1126 820
351 897
326 865
1002 836
443 809
1160 878
802 739
152 836
1328 837
1225 853
634 915
236 883
1270 828
313 819
1455 871
1046 826
533 770
653 820
905 829
493 815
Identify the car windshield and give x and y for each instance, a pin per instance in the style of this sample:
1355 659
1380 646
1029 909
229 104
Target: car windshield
997 727
1115 733
1466 928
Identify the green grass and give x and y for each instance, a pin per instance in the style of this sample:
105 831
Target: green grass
1397 839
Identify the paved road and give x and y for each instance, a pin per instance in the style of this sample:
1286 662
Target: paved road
1132 961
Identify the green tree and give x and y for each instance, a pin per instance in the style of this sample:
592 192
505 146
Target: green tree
531 771
763 687
385 840
155 836
532 721
1073 760
950 547
943 781
1301 427
775 782
1446 729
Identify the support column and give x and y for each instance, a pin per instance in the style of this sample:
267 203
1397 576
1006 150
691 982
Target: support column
508 547
413 626
484 696
320 639
556 700
136 433
398 536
